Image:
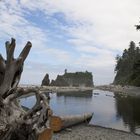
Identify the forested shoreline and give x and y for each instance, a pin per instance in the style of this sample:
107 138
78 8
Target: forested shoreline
128 66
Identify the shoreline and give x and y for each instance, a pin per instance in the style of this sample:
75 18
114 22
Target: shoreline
125 90
118 89
54 89
57 88
93 132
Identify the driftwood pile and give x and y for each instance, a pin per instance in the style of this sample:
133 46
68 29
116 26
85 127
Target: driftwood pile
15 122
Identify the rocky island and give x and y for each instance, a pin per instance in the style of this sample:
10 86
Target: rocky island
69 79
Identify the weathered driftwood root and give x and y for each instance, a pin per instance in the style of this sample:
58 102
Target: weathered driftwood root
15 122
58 123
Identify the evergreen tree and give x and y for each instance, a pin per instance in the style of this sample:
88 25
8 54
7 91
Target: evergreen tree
128 66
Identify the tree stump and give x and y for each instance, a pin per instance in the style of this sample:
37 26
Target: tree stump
15 122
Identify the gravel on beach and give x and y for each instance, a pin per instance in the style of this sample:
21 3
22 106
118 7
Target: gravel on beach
90 132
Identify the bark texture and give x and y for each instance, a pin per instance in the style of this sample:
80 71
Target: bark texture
59 123
15 122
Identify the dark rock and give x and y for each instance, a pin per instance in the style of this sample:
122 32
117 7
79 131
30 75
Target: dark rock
46 80
77 79
59 82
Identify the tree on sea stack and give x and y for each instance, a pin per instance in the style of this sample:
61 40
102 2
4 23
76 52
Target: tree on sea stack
16 123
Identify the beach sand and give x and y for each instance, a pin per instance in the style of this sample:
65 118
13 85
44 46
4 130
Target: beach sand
90 132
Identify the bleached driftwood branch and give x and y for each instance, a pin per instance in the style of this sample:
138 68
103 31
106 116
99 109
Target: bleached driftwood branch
15 122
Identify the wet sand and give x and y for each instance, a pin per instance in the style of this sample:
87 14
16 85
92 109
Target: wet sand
90 132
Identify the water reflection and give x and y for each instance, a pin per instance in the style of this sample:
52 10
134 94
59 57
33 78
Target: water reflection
79 94
67 103
128 108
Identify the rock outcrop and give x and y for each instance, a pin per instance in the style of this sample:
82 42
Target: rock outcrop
60 81
46 80
77 79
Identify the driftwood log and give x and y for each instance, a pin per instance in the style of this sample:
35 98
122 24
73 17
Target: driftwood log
58 123
15 122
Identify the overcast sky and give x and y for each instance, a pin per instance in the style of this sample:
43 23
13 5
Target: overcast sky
76 35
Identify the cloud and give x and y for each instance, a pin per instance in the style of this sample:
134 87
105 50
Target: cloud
92 32
110 23
54 54
13 23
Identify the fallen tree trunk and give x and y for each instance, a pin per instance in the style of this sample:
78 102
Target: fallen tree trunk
15 122
58 123
46 134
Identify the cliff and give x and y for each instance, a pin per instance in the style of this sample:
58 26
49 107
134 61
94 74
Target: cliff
77 79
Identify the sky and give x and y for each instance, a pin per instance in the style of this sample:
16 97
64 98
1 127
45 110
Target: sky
76 35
